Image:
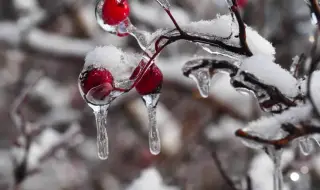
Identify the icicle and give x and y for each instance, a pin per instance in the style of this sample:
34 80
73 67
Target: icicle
101 113
203 79
275 156
164 3
306 146
151 101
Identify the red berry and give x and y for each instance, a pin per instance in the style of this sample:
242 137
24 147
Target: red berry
96 77
242 3
151 80
114 12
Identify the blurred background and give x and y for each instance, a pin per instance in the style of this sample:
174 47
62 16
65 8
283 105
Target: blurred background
42 48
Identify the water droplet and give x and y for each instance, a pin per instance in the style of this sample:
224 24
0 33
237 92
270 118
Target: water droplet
203 79
101 113
306 146
151 101
164 3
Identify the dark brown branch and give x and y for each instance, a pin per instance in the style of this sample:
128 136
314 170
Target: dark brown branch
242 29
294 132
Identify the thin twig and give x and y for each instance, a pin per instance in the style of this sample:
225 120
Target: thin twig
222 171
242 29
294 133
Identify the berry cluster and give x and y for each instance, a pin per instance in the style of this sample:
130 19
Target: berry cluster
114 12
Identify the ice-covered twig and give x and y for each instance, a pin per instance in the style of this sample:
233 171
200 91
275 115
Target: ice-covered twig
294 132
269 92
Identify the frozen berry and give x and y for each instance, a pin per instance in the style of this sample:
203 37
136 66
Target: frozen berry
96 81
115 11
242 3
151 80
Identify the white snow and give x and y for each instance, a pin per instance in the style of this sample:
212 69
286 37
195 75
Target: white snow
270 73
120 64
150 179
223 26
270 127
224 129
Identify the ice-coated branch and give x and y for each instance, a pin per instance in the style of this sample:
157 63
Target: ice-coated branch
271 96
294 132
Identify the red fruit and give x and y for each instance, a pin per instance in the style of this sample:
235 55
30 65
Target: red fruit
99 78
114 12
242 3
151 80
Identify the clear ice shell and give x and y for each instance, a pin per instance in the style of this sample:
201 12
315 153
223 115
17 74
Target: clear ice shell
306 146
151 101
101 113
164 3
119 29
203 79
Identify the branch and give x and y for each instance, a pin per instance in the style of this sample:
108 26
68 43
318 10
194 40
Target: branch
294 132
242 29
223 173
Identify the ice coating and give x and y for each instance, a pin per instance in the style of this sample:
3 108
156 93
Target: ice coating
202 78
119 63
270 127
306 145
164 3
113 29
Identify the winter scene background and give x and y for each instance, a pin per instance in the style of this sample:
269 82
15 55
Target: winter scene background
237 108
